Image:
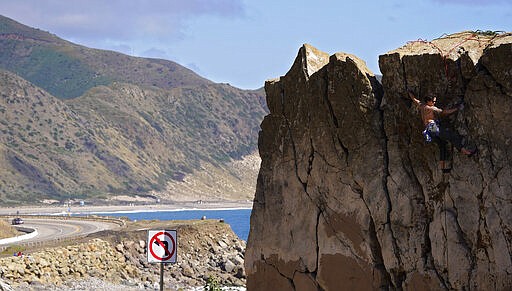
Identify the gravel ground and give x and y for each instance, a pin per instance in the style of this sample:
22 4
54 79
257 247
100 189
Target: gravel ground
101 285
86 285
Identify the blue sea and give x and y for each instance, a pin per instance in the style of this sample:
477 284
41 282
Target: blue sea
238 219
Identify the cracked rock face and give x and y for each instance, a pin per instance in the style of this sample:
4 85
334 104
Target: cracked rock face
350 197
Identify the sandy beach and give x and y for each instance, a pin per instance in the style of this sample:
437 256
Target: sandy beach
52 209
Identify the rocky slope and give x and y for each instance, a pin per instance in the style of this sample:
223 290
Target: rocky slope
118 260
350 197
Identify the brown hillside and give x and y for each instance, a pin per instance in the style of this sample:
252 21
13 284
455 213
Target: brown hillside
86 123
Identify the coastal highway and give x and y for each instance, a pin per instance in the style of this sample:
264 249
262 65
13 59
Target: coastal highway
51 229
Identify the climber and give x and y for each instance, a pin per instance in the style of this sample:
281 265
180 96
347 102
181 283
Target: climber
439 132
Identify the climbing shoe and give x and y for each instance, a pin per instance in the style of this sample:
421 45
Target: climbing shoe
469 153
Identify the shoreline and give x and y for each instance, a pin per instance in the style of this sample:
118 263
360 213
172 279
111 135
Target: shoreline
130 208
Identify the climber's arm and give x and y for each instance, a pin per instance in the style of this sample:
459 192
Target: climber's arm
413 98
449 111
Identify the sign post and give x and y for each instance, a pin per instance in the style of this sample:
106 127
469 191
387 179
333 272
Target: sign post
161 276
162 248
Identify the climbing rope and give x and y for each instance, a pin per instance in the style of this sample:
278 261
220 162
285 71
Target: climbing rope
475 35
445 55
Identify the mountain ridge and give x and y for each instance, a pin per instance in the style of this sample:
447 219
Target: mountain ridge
121 134
46 52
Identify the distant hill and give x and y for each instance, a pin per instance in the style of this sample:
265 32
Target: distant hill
81 123
67 70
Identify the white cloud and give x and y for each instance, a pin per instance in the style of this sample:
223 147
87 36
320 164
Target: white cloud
117 19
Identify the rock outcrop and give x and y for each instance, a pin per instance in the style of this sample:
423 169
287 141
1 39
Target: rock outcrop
349 196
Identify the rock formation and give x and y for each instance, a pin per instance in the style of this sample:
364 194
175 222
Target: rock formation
350 197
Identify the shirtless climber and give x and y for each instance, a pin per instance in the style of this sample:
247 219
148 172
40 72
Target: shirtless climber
438 132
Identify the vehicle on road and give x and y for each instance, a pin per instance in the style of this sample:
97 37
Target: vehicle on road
17 221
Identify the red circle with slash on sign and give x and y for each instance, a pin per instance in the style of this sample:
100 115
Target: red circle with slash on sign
163 243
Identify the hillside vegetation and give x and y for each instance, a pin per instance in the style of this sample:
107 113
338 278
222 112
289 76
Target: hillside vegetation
85 123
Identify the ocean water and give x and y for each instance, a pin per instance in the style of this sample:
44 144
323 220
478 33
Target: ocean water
238 219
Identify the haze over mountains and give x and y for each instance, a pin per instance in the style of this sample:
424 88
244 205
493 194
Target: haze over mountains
77 122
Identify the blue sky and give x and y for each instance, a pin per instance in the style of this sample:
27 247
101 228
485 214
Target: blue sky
244 42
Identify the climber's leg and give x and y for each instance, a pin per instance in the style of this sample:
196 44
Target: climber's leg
448 134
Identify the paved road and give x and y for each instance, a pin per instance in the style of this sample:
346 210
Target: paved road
52 229
60 228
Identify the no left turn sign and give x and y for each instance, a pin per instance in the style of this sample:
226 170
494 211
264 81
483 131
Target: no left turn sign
162 246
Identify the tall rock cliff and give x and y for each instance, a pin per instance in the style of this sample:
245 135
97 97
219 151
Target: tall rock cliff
349 195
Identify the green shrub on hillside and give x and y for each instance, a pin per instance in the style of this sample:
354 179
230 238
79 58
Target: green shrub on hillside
49 68
212 284
58 73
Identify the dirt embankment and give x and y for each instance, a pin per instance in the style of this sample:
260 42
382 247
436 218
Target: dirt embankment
7 230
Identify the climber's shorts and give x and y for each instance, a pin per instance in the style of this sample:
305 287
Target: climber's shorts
432 129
